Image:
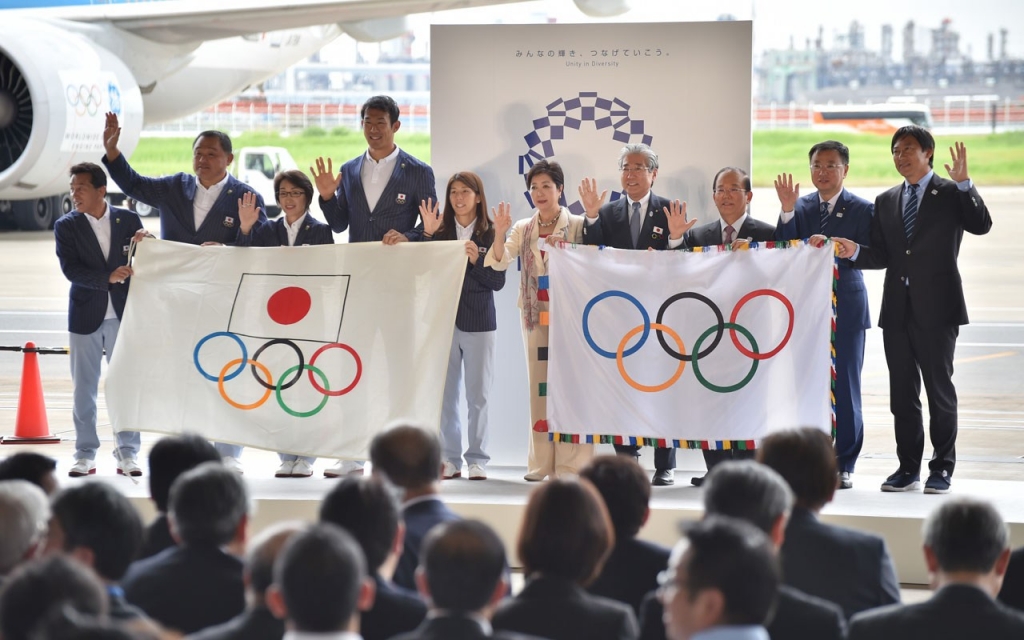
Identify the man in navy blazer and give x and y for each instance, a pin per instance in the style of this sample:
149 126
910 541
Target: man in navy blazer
193 208
92 247
915 236
835 212
636 220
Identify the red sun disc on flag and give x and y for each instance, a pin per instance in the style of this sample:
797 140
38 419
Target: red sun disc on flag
289 305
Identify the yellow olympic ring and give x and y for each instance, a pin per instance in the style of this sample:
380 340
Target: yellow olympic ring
245 407
622 366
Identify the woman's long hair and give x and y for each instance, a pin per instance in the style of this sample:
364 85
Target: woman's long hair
476 185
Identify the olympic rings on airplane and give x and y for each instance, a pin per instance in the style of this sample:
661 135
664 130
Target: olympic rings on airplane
85 99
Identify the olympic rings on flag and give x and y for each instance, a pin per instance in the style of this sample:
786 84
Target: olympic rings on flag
298 373
355 380
298 370
224 393
242 361
718 329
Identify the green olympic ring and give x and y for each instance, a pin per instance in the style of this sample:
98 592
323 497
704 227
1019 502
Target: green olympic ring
323 378
696 367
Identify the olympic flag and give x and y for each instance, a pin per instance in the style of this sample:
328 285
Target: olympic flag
306 350
704 349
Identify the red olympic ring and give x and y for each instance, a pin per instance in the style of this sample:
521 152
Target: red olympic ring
355 380
736 311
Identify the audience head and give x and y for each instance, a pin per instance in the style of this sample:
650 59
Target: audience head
566 531
466 186
24 517
723 572
263 552
462 568
624 487
748 491
806 459
172 456
98 526
408 456
36 589
209 506
967 538
320 581
34 467
366 508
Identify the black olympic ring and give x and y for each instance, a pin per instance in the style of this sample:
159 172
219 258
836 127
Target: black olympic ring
298 372
720 330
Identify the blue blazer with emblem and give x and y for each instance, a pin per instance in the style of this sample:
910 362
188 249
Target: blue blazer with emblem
476 304
612 226
173 196
397 208
84 264
851 219
274 234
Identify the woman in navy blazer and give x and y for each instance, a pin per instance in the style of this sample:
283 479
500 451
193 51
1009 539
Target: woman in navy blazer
473 344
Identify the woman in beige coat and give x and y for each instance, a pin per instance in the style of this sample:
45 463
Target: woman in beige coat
550 221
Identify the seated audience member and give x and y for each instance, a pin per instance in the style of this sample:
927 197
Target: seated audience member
37 588
256 622
410 458
96 525
850 568
169 458
632 569
320 585
463 577
364 507
196 584
565 537
24 514
1012 593
34 467
966 548
67 624
721 583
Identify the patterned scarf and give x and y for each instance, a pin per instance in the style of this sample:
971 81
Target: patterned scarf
528 276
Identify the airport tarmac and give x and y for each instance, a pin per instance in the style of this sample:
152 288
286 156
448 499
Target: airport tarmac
989 361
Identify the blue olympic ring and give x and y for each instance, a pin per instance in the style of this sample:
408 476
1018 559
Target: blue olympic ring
615 294
233 374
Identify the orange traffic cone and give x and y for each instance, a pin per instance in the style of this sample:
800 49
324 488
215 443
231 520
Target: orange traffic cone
31 426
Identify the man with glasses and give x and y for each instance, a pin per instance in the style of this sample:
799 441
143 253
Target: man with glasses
835 212
735 227
639 220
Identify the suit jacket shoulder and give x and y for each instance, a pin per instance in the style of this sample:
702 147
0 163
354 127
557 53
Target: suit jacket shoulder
631 572
799 616
1012 593
560 610
953 612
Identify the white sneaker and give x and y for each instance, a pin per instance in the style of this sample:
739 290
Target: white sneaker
477 472
344 468
83 467
285 470
301 469
128 467
233 463
449 471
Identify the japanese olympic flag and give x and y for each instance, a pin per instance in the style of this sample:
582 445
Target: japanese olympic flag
709 349
306 350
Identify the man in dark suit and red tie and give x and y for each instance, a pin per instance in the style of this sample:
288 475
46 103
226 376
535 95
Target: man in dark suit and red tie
833 211
636 220
92 246
915 236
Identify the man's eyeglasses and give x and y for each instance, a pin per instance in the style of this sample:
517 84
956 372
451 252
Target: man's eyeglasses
733 191
636 168
291 194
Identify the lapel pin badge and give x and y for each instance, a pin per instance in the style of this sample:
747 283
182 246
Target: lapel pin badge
229 192
125 249
839 215
400 199
935 192
229 221
117 220
658 230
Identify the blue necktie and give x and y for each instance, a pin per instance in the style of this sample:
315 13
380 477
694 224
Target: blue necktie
823 208
910 212
634 223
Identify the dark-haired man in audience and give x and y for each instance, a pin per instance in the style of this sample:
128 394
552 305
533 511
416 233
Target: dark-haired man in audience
24 514
850 568
722 582
169 458
410 458
1012 593
196 584
36 589
320 585
366 509
34 467
463 577
256 622
95 524
632 569
966 548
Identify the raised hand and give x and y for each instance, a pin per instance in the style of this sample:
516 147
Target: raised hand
472 252
958 172
248 212
788 192
502 220
430 216
111 136
119 275
588 196
677 222
324 179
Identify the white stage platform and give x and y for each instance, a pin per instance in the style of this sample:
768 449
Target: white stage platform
500 500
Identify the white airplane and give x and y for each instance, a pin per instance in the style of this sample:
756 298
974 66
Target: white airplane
64 63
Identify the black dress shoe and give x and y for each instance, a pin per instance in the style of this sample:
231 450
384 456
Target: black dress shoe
663 478
697 481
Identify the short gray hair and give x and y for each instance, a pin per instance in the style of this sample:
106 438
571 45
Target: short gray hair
748 491
643 149
24 516
966 534
207 504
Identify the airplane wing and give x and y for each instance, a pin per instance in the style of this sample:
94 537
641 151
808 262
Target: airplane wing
193 21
